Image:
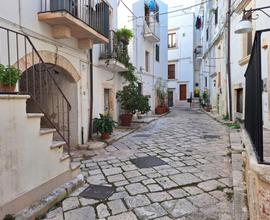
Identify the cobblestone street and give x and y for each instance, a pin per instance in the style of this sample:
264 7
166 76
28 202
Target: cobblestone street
194 184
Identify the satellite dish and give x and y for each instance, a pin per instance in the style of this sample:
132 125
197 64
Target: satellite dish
151 5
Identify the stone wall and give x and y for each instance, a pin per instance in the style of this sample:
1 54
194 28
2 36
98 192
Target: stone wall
258 183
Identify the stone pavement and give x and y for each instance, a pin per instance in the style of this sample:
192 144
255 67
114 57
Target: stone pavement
195 183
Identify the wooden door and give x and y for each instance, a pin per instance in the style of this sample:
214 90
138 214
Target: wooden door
183 92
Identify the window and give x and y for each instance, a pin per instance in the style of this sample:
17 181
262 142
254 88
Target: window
172 40
239 100
146 61
216 16
157 52
157 13
171 71
207 34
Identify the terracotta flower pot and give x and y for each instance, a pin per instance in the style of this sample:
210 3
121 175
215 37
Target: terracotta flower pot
105 136
126 119
7 88
207 108
161 110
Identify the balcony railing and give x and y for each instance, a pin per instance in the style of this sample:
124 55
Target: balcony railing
93 13
114 50
151 29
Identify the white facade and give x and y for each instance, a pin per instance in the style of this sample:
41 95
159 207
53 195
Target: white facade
132 16
180 54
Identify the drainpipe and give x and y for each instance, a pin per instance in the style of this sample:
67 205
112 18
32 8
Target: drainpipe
90 132
229 60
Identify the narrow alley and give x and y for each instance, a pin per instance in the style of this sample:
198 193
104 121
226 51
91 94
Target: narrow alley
191 181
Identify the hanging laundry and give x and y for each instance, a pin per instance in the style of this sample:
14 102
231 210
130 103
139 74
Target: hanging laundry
151 5
198 23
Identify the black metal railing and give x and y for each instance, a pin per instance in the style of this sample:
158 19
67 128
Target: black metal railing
114 49
253 100
37 80
94 13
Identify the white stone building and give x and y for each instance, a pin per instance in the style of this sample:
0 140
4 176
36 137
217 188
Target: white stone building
50 43
181 75
148 48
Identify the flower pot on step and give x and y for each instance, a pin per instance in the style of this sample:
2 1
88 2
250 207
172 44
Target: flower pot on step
7 88
126 119
105 136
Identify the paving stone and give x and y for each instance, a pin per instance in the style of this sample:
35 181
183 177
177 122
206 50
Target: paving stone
84 213
178 193
102 211
185 179
164 218
130 174
193 190
124 216
159 196
119 195
154 187
112 171
148 181
179 208
137 179
136 201
70 203
116 206
116 178
145 171
86 202
96 179
56 214
136 188
150 212
202 200
121 183
166 183
210 185
94 172
129 167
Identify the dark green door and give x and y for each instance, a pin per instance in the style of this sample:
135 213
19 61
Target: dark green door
170 98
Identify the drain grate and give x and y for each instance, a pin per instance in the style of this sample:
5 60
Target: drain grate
97 192
210 136
148 162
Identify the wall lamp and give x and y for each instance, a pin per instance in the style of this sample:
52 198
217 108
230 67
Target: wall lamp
245 25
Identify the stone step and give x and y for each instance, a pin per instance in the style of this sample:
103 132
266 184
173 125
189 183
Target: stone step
44 131
57 144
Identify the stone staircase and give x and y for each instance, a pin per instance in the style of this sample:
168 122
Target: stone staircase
32 163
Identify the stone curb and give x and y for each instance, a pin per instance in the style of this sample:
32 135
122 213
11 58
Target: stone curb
39 208
240 209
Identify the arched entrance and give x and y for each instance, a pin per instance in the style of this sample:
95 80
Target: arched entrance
54 92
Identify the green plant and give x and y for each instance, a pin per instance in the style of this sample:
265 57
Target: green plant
9 75
226 117
128 98
161 94
234 126
104 124
124 35
205 99
143 104
9 217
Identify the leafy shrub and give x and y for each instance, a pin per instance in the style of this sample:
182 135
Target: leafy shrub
104 124
9 75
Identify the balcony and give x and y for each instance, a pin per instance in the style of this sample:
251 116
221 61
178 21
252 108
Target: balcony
82 19
152 31
113 55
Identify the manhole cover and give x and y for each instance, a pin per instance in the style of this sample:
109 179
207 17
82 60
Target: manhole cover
142 135
148 162
97 192
210 136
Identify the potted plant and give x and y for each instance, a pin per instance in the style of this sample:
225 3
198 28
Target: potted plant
143 105
161 108
205 101
124 35
128 99
8 78
105 125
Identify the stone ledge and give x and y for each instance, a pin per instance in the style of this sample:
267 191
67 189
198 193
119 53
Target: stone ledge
14 96
39 208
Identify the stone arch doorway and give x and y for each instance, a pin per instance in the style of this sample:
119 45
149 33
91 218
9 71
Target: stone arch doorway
52 89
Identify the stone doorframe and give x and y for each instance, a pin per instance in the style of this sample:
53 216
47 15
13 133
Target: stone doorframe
112 97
